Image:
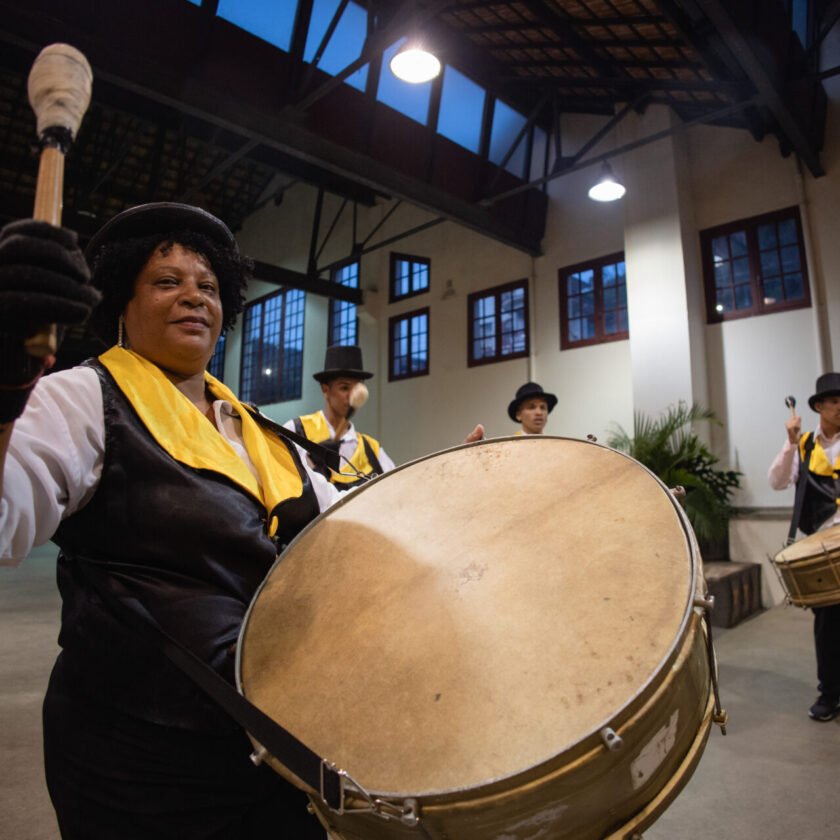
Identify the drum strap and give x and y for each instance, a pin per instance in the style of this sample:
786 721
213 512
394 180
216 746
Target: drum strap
801 488
323 456
307 765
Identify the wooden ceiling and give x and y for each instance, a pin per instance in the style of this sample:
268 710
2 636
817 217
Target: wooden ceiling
187 107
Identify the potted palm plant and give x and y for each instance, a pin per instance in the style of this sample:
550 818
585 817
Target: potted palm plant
669 447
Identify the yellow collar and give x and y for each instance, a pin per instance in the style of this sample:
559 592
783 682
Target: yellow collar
185 433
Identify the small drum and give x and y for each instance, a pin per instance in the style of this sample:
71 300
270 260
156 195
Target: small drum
498 640
810 569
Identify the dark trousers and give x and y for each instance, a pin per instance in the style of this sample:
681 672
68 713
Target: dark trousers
114 776
827 643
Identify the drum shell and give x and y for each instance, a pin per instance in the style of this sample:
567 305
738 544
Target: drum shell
813 582
584 791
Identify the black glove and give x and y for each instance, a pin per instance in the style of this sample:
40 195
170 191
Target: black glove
44 280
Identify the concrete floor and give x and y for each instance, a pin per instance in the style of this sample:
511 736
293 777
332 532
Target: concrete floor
773 777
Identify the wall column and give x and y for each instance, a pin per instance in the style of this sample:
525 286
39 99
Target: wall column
664 278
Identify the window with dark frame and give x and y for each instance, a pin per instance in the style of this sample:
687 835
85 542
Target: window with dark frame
593 302
498 324
755 266
271 369
409 276
408 345
216 365
343 324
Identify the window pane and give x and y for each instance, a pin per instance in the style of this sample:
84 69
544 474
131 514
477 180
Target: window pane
507 124
770 264
574 306
420 277
790 258
272 348
461 110
741 270
589 328
407 98
409 345
345 45
794 288
216 365
573 284
723 276
720 249
610 298
622 321
788 234
743 297
574 330
588 304
738 243
608 275
587 279
725 300
273 22
773 291
610 323
343 321
766 236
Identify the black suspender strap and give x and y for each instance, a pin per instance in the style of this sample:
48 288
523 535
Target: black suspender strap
308 766
371 456
801 487
321 455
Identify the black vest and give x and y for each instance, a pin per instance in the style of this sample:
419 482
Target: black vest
820 500
187 545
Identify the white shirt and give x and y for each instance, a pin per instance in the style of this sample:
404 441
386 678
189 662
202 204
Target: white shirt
55 458
347 447
784 470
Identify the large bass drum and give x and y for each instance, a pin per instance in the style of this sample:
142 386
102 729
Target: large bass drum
497 641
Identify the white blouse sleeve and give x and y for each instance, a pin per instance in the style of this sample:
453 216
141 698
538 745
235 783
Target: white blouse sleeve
54 461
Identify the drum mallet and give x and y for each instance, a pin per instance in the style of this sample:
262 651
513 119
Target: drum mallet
790 402
59 89
358 397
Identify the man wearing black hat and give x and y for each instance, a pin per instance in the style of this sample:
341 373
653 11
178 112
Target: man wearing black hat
812 461
342 383
531 407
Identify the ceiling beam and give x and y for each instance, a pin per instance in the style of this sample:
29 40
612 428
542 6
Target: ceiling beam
767 82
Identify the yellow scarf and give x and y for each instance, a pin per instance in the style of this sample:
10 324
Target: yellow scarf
183 431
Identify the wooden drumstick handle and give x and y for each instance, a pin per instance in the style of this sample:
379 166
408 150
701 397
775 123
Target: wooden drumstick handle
59 89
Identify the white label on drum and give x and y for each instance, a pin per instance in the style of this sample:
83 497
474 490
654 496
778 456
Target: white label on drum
542 824
654 752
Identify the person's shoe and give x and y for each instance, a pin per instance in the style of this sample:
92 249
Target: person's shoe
826 708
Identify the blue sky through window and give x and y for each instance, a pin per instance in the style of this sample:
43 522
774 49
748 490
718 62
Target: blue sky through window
409 99
271 20
507 124
345 45
461 109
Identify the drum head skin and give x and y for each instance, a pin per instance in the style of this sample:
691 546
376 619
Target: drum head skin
814 545
471 614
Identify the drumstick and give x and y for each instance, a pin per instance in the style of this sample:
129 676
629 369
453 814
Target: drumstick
358 397
790 402
59 92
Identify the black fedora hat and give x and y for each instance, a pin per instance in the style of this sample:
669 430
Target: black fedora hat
525 392
828 385
160 216
342 361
